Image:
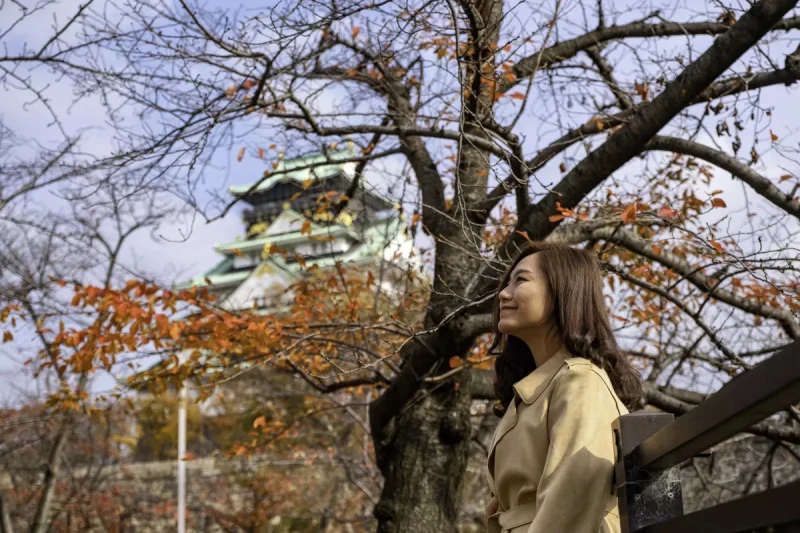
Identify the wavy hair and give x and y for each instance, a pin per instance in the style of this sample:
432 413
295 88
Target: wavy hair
575 282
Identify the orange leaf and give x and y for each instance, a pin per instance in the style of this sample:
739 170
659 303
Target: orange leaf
260 421
272 146
629 215
717 246
237 252
555 218
718 202
455 362
248 84
7 336
524 234
260 153
666 212
773 136
786 177
517 96
356 31
175 330
240 155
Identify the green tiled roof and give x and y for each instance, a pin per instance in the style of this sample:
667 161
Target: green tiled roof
285 172
217 280
284 238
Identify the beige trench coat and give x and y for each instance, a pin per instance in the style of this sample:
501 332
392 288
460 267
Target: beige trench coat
552 455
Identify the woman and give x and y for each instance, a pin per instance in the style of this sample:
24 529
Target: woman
561 381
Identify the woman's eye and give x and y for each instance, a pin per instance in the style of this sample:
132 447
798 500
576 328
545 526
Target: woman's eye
521 279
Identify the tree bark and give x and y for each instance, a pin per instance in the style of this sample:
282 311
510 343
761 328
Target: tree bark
424 464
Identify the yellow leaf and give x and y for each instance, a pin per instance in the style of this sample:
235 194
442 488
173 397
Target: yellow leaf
240 155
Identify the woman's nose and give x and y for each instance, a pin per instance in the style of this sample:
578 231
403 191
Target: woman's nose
505 295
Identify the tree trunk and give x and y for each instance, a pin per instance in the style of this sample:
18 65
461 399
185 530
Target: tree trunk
425 461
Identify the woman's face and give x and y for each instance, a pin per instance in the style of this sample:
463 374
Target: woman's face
525 303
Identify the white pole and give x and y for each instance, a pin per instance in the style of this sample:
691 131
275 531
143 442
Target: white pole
181 462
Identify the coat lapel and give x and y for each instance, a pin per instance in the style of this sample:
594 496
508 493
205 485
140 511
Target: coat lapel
528 389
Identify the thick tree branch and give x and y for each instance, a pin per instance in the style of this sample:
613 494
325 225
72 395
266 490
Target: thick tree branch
631 139
759 183
567 49
727 87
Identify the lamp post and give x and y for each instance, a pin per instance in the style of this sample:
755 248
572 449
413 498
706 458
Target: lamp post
182 396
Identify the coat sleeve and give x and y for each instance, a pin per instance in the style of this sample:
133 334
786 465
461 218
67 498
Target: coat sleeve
575 486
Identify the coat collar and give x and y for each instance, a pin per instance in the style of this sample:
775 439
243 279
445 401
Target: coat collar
533 385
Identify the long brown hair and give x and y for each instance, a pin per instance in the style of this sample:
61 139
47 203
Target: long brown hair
574 278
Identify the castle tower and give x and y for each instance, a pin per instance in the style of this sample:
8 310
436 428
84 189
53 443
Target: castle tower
283 212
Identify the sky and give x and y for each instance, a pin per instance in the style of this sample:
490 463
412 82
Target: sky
182 248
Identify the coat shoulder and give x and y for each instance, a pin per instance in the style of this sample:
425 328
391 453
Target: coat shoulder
581 377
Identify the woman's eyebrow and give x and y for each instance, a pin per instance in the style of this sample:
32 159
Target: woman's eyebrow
521 271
